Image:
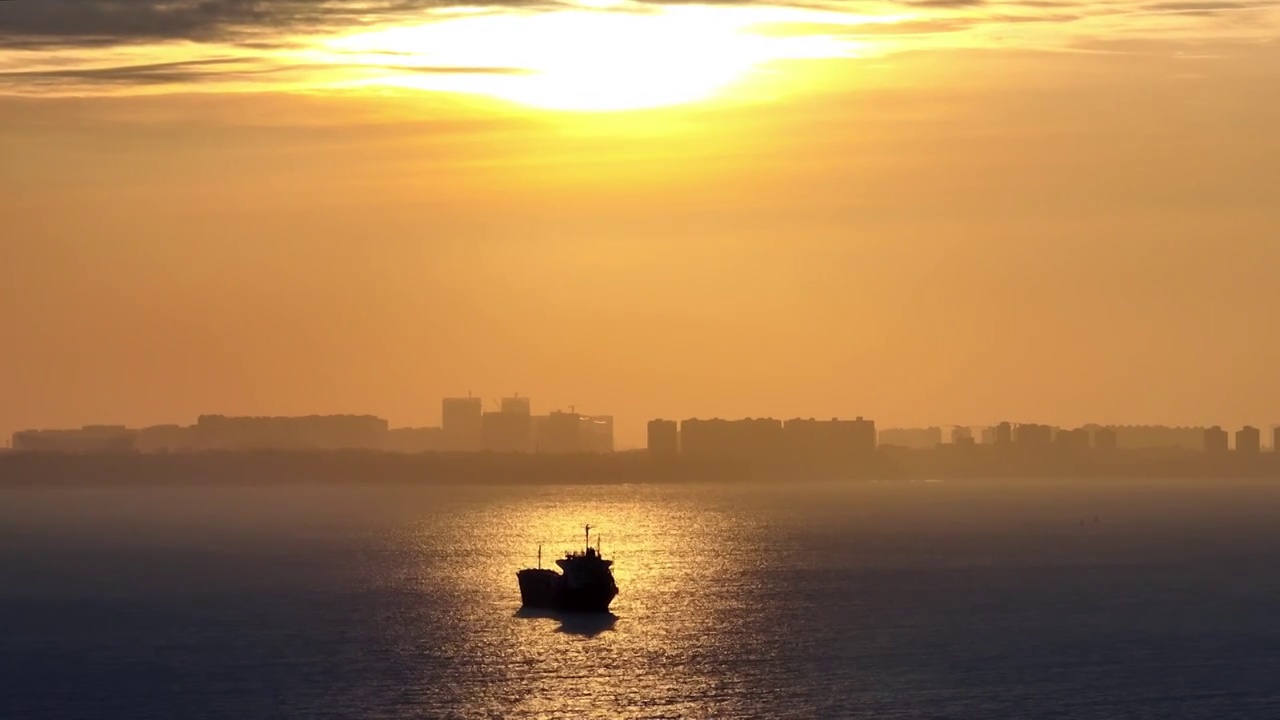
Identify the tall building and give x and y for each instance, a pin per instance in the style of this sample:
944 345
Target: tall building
516 405
961 435
1215 440
460 421
664 438
861 433
510 429
1249 440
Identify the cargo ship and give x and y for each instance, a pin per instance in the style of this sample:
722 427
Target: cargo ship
586 584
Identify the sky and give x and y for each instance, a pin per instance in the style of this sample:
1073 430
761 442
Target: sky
930 212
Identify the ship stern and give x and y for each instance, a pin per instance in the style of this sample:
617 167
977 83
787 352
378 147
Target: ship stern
539 588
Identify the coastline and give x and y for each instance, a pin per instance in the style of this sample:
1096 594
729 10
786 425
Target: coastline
359 466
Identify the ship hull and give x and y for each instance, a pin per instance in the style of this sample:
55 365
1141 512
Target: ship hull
585 600
547 590
539 588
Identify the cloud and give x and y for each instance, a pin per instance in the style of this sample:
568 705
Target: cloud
195 71
31 22
27 24
918 27
150 73
79 45
44 23
1200 6
1194 7
945 3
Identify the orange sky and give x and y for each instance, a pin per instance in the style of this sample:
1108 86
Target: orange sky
921 213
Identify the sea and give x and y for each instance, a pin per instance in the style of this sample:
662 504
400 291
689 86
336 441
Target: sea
950 599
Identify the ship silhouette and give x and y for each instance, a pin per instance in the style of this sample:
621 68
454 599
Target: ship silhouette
585 586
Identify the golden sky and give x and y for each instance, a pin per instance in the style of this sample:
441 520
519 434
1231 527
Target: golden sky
944 211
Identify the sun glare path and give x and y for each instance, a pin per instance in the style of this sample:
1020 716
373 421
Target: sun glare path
579 60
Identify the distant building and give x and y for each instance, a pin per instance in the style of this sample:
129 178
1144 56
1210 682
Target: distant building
460 424
1074 440
88 439
917 438
664 438
770 438
1033 435
828 439
1104 439
516 406
862 433
1157 437
1003 434
1249 440
415 440
731 438
166 438
557 433
1215 440
571 432
962 436
313 432
509 430
598 433
506 432
1275 439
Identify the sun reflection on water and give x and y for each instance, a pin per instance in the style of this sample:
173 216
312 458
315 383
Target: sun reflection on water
675 565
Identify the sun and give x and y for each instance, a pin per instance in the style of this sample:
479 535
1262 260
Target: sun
583 59
579 60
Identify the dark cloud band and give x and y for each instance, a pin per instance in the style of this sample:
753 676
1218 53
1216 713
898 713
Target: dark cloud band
32 22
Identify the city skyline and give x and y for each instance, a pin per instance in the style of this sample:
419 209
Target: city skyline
512 446
630 433
510 424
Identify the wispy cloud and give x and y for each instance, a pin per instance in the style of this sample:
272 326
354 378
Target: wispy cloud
97 21
210 69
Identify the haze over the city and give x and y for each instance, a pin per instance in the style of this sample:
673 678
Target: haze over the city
925 213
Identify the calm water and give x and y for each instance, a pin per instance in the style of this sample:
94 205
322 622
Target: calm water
879 600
